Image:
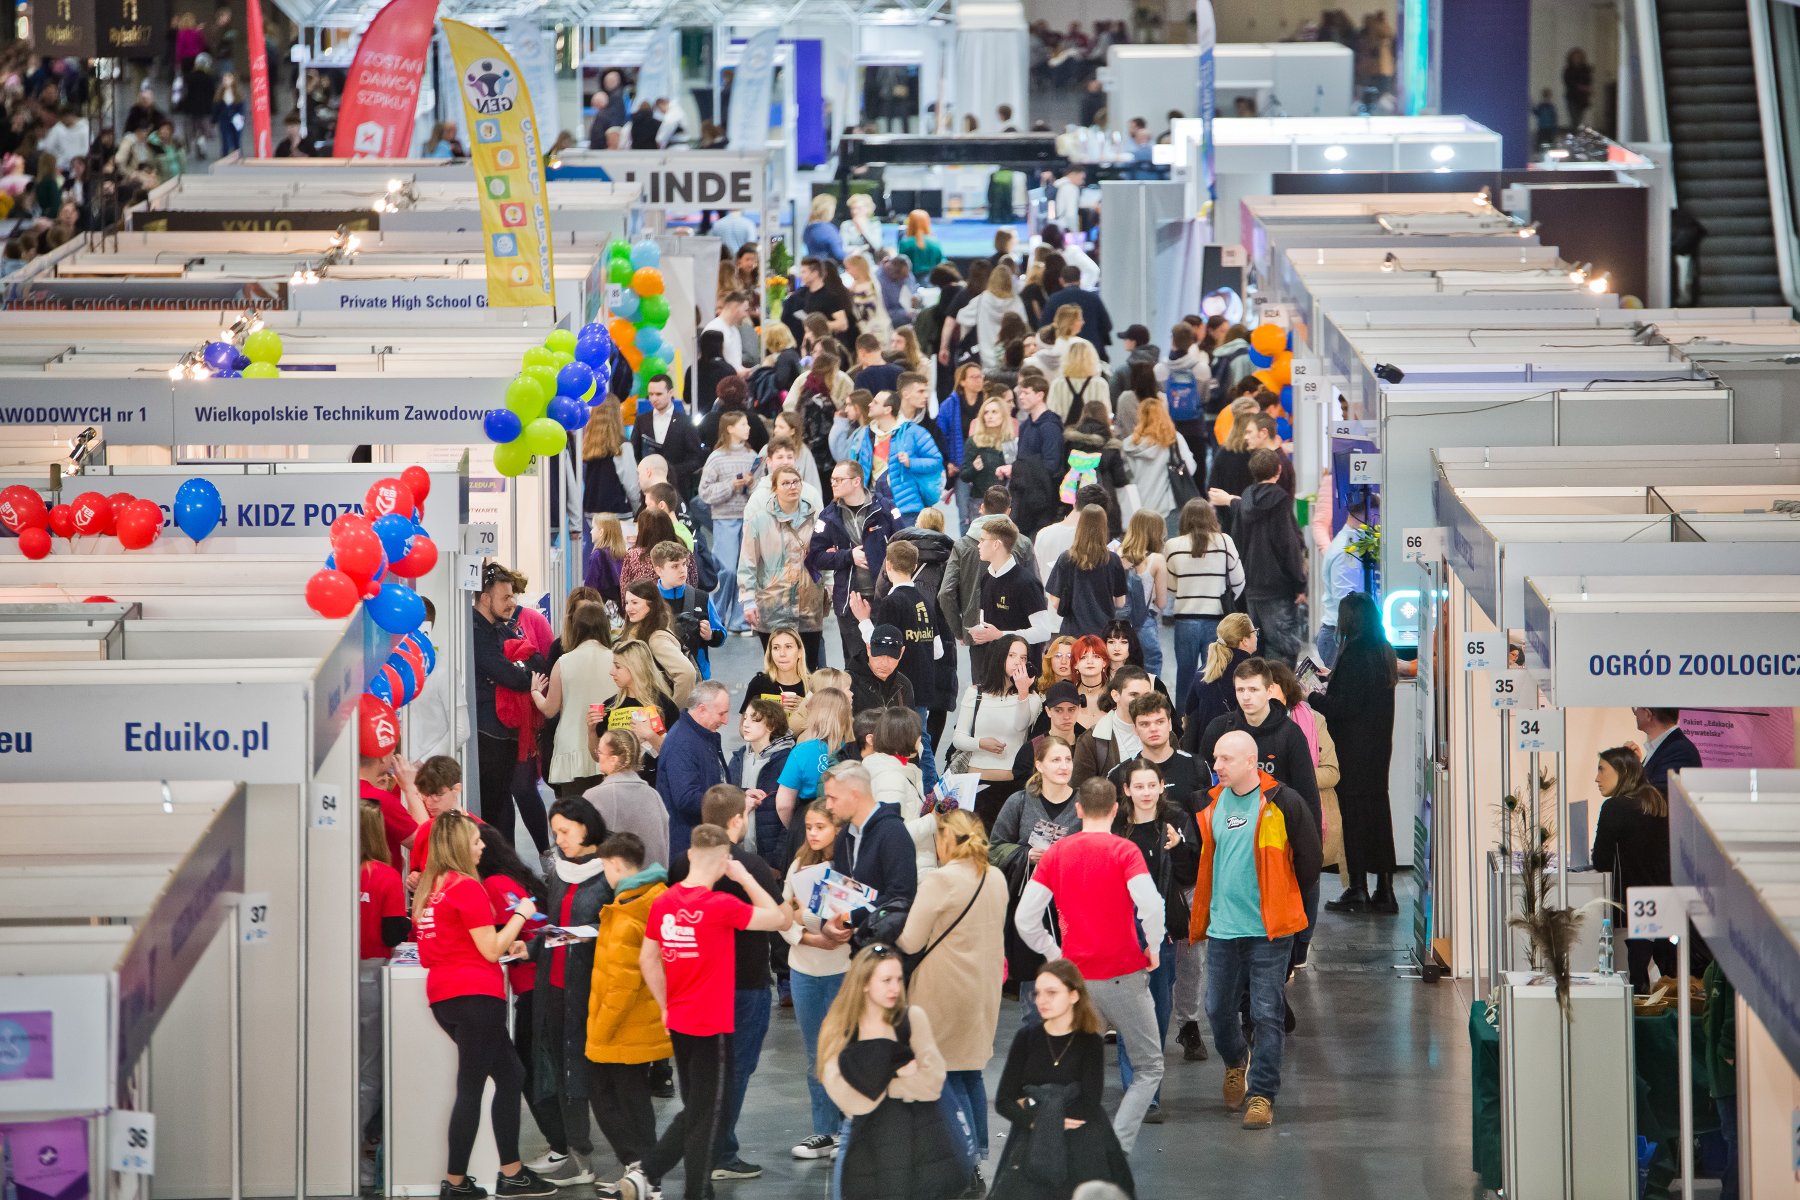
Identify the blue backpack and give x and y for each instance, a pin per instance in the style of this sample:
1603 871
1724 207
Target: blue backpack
1182 389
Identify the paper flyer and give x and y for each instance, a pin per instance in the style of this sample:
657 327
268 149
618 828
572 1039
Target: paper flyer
837 893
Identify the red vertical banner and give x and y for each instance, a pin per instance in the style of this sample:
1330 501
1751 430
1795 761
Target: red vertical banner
381 93
263 138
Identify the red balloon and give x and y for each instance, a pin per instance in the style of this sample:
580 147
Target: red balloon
359 554
34 543
22 508
418 481
380 726
119 501
420 558
135 530
99 600
331 594
396 685
414 656
62 521
150 510
346 523
91 514
388 496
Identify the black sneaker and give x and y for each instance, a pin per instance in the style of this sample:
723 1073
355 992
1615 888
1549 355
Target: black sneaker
662 1079
1193 1046
1154 1116
737 1168
468 1189
526 1183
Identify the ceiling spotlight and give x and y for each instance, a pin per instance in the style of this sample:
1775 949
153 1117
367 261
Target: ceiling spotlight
1336 154
1579 275
298 278
1389 263
1528 231
1389 373
176 373
1482 199
1442 154
1599 283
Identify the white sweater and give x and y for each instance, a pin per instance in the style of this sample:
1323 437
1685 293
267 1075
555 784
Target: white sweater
1007 718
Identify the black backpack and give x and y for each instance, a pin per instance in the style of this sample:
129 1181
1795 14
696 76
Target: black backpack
765 393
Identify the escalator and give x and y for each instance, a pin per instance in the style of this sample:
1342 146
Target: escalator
1721 175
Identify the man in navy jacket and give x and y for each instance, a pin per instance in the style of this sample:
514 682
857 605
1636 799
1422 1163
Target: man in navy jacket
853 524
1096 322
692 760
873 846
1666 747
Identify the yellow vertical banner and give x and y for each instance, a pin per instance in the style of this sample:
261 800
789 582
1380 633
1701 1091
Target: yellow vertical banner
507 149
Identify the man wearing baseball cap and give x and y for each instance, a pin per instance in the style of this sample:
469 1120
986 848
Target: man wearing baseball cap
876 680
912 614
1138 348
1062 704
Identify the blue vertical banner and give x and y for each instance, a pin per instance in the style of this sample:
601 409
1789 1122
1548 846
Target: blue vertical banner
748 128
1206 31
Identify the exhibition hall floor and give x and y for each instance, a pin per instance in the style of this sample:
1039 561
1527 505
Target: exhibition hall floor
1374 1101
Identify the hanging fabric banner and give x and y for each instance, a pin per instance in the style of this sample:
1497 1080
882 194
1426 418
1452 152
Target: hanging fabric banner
262 130
1206 29
748 128
656 78
507 149
381 93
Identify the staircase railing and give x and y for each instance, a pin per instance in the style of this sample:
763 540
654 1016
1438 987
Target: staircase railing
1768 107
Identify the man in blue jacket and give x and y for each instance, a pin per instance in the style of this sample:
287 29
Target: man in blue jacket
898 459
873 846
692 760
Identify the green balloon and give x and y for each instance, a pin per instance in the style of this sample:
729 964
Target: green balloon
526 397
263 346
545 374
561 359
562 341
653 310
262 370
618 250
511 458
544 436
539 356
618 270
652 366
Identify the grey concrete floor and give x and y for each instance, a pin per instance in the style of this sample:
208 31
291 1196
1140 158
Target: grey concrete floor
1375 1081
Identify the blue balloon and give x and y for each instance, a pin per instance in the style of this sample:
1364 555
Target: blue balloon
198 508
570 413
378 688
627 306
228 374
409 679
220 356
1260 361
396 608
596 352
395 532
574 380
240 361
646 254
591 329
427 649
502 425
649 340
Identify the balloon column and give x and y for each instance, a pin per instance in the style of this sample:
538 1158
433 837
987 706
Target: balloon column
1272 354
136 523
550 398
259 359
641 313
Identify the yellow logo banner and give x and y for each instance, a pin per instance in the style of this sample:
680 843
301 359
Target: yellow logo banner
507 149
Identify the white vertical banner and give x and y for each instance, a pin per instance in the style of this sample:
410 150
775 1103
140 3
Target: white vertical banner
657 78
748 128
1206 33
534 49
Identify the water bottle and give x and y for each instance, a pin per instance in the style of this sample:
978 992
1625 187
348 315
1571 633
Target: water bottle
1605 964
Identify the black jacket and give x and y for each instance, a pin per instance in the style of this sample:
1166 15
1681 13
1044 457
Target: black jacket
1281 750
1676 753
1358 706
1096 322
563 1069
1112 473
883 857
771 837
1269 542
866 691
682 448
1205 701
831 546
493 669
1038 472
934 555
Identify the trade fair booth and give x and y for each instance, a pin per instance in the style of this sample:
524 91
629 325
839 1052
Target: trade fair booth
1277 79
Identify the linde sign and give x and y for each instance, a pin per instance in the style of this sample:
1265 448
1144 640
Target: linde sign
690 180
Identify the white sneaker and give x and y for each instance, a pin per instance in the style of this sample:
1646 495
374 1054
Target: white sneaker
548 1162
819 1145
569 1172
635 1186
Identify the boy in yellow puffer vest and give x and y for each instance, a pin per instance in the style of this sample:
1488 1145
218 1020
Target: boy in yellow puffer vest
625 1030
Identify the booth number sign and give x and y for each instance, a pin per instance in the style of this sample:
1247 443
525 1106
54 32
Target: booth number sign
253 919
1656 913
1423 545
1483 651
1508 689
1365 468
1537 730
131 1142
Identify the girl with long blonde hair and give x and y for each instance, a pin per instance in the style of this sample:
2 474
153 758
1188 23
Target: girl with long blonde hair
783 675
1213 692
828 720
1079 383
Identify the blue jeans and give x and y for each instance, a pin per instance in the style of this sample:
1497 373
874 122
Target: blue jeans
813 995
927 757
1150 638
751 1013
728 539
1162 995
969 1090
1327 643
1262 963
1727 1107
1192 636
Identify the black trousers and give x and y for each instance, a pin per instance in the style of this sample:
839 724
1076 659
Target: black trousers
703 1065
477 1024
619 1094
1638 954
499 768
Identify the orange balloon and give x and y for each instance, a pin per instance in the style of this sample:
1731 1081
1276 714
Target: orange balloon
633 355
1268 340
647 281
1281 373
1222 426
624 333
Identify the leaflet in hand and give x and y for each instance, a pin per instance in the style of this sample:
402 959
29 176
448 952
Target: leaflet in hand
560 935
1045 834
836 894
1309 676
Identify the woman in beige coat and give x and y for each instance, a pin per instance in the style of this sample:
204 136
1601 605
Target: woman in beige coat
958 920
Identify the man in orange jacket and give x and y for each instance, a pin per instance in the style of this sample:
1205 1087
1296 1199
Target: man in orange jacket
1259 844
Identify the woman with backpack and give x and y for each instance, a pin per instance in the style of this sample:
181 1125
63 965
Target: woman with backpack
1079 382
1186 379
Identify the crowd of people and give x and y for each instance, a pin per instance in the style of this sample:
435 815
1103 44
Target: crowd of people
1099 827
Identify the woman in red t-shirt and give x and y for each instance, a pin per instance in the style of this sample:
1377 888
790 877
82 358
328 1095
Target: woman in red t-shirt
461 951
381 908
